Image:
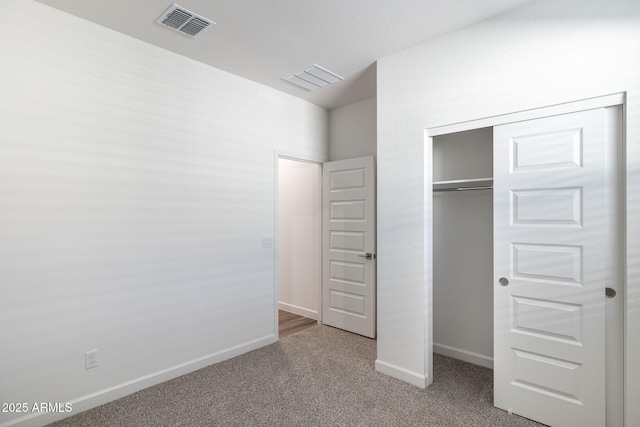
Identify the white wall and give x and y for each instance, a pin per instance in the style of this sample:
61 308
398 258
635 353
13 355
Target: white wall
299 237
352 130
135 186
549 52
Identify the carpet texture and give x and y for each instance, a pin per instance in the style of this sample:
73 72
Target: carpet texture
319 377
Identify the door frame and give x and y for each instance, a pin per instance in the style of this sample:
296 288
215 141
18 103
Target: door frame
617 99
298 158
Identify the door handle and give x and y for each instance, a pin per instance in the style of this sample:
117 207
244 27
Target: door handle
367 255
610 293
503 281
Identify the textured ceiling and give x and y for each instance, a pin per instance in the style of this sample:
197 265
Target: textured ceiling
266 40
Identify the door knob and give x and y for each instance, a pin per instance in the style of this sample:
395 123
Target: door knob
503 281
367 255
610 293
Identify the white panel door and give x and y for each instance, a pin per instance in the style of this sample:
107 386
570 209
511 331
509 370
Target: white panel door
549 247
349 264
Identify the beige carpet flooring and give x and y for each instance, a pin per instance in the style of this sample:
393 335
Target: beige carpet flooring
319 377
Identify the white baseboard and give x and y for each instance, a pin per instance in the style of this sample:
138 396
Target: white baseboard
300 311
464 355
402 374
110 394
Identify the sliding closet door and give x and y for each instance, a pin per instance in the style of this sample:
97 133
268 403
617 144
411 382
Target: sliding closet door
549 290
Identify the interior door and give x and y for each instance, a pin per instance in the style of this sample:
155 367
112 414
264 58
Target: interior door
549 268
349 241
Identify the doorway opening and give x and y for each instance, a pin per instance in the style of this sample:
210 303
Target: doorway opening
299 237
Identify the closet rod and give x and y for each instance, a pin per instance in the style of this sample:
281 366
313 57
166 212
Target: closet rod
488 187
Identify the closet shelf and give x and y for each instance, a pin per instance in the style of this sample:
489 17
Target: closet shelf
463 184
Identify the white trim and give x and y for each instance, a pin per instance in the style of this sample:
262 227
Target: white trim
428 254
427 261
402 374
631 256
536 113
300 311
279 154
110 394
464 355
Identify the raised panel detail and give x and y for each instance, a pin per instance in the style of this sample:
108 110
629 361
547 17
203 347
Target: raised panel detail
348 210
351 179
547 207
349 281
548 319
347 303
547 375
347 272
344 241
558 148
547 263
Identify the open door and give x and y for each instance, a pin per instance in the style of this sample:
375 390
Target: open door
549 268
349 242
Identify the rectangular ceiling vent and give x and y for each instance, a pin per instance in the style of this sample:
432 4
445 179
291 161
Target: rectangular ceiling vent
180 19
314 77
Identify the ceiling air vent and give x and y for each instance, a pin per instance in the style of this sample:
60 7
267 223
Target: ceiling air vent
180 19
314 77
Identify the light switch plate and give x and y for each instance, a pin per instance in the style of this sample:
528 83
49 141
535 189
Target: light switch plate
267 241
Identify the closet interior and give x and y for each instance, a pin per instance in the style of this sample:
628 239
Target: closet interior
463 246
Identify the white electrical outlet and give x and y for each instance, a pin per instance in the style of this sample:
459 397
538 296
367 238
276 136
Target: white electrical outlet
91 359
